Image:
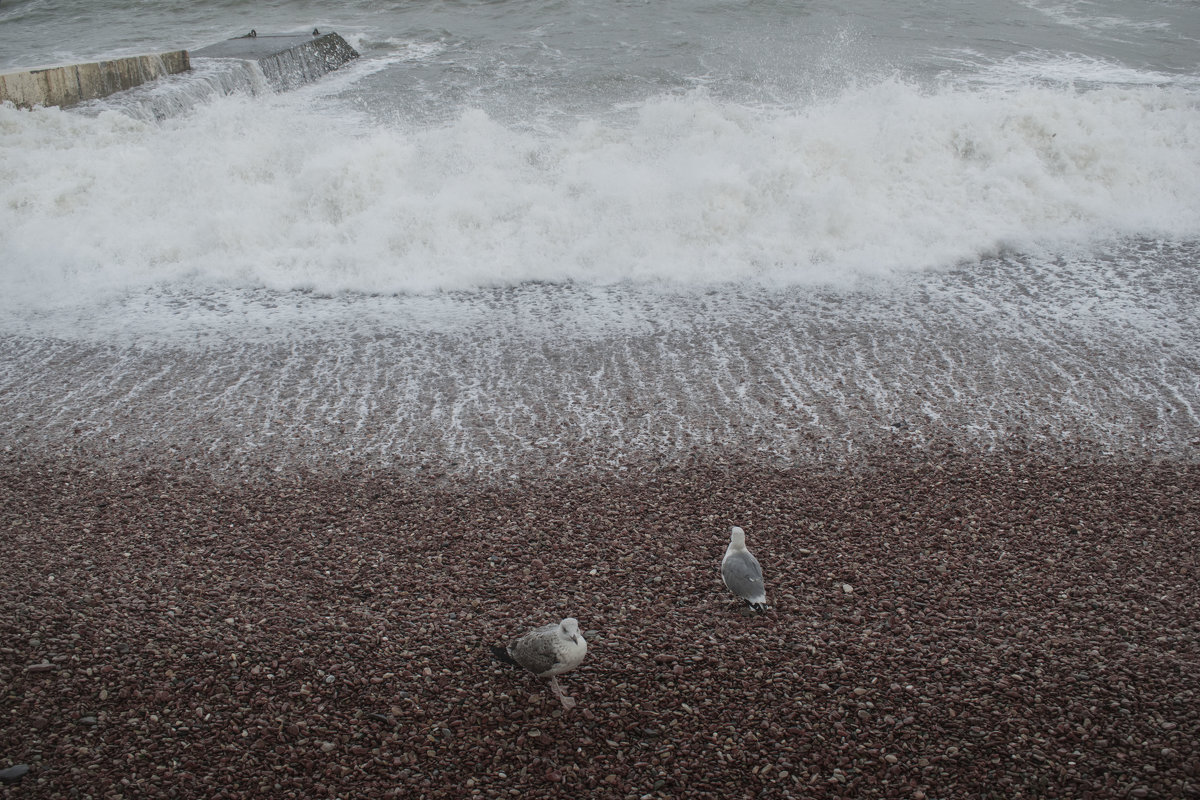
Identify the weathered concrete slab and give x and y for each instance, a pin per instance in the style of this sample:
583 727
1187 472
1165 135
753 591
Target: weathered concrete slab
256 46
67 85
287 60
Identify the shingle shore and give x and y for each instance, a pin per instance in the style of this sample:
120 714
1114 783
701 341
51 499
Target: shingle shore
1000 627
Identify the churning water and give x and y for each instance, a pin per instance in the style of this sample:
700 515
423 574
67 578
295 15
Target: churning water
527 235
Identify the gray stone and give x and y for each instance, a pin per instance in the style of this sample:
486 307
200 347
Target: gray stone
14 773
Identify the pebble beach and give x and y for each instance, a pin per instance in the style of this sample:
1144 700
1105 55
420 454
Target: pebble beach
960 626
252 562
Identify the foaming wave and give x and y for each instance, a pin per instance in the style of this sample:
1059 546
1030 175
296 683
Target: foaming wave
206 80
1086 16
1057 70
292 192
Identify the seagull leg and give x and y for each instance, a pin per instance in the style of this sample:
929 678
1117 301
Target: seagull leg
567 702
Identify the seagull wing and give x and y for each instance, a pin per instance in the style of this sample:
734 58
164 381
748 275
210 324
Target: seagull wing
743 575
536 651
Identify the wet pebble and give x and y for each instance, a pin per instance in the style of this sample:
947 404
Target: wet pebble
14 774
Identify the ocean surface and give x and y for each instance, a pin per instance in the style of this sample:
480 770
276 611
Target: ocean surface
517 237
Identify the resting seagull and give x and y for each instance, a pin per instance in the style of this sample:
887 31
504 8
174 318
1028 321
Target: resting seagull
741 572
548 652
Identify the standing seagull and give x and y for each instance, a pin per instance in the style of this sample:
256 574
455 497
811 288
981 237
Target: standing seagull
548 652
741 572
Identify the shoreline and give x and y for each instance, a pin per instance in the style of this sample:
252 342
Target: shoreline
1094 359
1015 624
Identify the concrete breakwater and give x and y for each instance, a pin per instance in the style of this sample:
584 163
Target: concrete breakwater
65 86
286 61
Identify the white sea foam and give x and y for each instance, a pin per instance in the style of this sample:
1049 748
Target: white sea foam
294 192
1090 16
1057 70
257 281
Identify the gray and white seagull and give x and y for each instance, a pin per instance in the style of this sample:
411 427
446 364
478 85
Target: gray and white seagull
741 572
548 652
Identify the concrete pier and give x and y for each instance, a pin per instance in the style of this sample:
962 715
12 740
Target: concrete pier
65 86
287 60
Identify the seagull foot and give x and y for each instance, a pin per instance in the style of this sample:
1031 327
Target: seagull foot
567 702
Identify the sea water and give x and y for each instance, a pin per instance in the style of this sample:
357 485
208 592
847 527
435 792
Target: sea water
525 235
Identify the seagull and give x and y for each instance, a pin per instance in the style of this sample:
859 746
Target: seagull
741 572
548 652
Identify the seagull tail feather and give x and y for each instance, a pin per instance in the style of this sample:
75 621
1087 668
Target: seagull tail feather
501 654
758 607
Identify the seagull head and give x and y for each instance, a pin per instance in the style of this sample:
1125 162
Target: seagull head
737 537
569 629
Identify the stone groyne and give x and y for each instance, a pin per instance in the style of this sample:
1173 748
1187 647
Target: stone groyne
286 61
66 86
